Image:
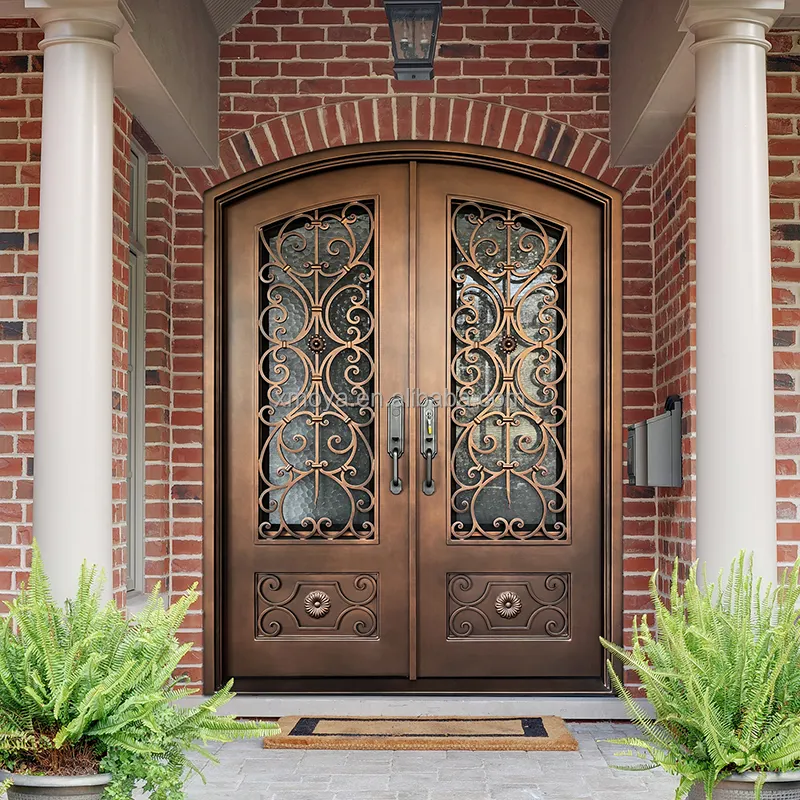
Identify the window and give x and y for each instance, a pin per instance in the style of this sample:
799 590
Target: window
136 368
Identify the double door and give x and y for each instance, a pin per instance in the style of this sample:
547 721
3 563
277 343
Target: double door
413 437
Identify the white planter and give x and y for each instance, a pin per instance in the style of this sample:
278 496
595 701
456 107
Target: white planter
779 786
66 787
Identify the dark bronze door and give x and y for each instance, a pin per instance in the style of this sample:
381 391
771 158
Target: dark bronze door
510 336
316 544
479 299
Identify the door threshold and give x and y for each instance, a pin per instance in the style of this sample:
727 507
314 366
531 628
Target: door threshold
567 707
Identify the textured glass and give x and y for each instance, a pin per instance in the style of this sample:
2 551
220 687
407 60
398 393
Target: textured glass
508 276
317 372
412 32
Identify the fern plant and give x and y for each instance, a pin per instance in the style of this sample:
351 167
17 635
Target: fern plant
83 690
722 671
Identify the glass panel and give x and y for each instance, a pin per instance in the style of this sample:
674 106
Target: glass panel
317 374
412 31
136 422
508 415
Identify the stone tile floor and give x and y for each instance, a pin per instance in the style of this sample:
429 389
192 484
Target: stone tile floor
247 772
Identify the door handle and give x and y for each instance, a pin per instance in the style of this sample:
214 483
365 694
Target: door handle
428 437
396 439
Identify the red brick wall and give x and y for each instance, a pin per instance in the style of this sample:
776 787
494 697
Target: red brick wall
542 55
639 529
122 189
161 177
20 134
784 124
674 345
186 454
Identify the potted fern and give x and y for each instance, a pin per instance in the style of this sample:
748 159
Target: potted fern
722 671
87 698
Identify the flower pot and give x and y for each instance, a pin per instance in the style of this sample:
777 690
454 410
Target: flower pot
779 786
62 787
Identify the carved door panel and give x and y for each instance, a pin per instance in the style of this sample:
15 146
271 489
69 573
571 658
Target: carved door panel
316 329
509 327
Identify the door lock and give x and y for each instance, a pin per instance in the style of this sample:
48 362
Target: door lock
428 447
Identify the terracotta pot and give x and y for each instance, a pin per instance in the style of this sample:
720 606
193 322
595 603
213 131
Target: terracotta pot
779 786
67 787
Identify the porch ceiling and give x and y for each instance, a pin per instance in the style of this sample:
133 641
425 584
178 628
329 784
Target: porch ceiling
604 11
226 13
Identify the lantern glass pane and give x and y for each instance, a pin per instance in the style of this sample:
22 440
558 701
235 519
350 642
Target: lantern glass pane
412 29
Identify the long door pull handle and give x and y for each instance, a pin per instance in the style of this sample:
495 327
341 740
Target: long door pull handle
396 486
429 487
395 440
428 446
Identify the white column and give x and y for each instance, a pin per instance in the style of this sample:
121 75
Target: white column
72 441
736 497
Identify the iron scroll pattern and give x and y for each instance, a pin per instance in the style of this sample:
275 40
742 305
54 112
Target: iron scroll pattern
530 606
508 368
326 605
316 376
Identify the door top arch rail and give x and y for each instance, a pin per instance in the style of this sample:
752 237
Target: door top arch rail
257 180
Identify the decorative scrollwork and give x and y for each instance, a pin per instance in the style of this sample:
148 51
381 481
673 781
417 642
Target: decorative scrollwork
317 604
508 329
508 605
317 371
523 606
299 606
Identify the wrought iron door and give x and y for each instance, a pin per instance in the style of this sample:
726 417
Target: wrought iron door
317 331
511 542
414 369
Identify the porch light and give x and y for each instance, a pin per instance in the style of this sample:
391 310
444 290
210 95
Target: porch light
413 25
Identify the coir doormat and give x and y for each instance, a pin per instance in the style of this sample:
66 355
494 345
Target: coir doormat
423 733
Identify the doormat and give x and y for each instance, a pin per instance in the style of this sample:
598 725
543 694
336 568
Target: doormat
422 733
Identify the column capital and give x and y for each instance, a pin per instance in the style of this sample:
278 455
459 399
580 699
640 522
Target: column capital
745 21
96 21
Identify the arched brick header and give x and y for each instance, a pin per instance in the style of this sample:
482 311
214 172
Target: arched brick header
400 119
410 118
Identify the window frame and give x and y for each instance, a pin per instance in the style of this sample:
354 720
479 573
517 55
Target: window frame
137 329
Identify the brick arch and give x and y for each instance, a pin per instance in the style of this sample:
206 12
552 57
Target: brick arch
406 118
409 118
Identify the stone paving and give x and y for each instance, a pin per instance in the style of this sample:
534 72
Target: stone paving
247 772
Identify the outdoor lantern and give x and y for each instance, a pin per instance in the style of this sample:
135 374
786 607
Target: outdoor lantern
413 25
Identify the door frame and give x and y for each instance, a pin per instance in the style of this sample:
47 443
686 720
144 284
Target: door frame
217 199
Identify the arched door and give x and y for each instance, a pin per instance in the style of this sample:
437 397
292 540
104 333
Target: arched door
414 438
